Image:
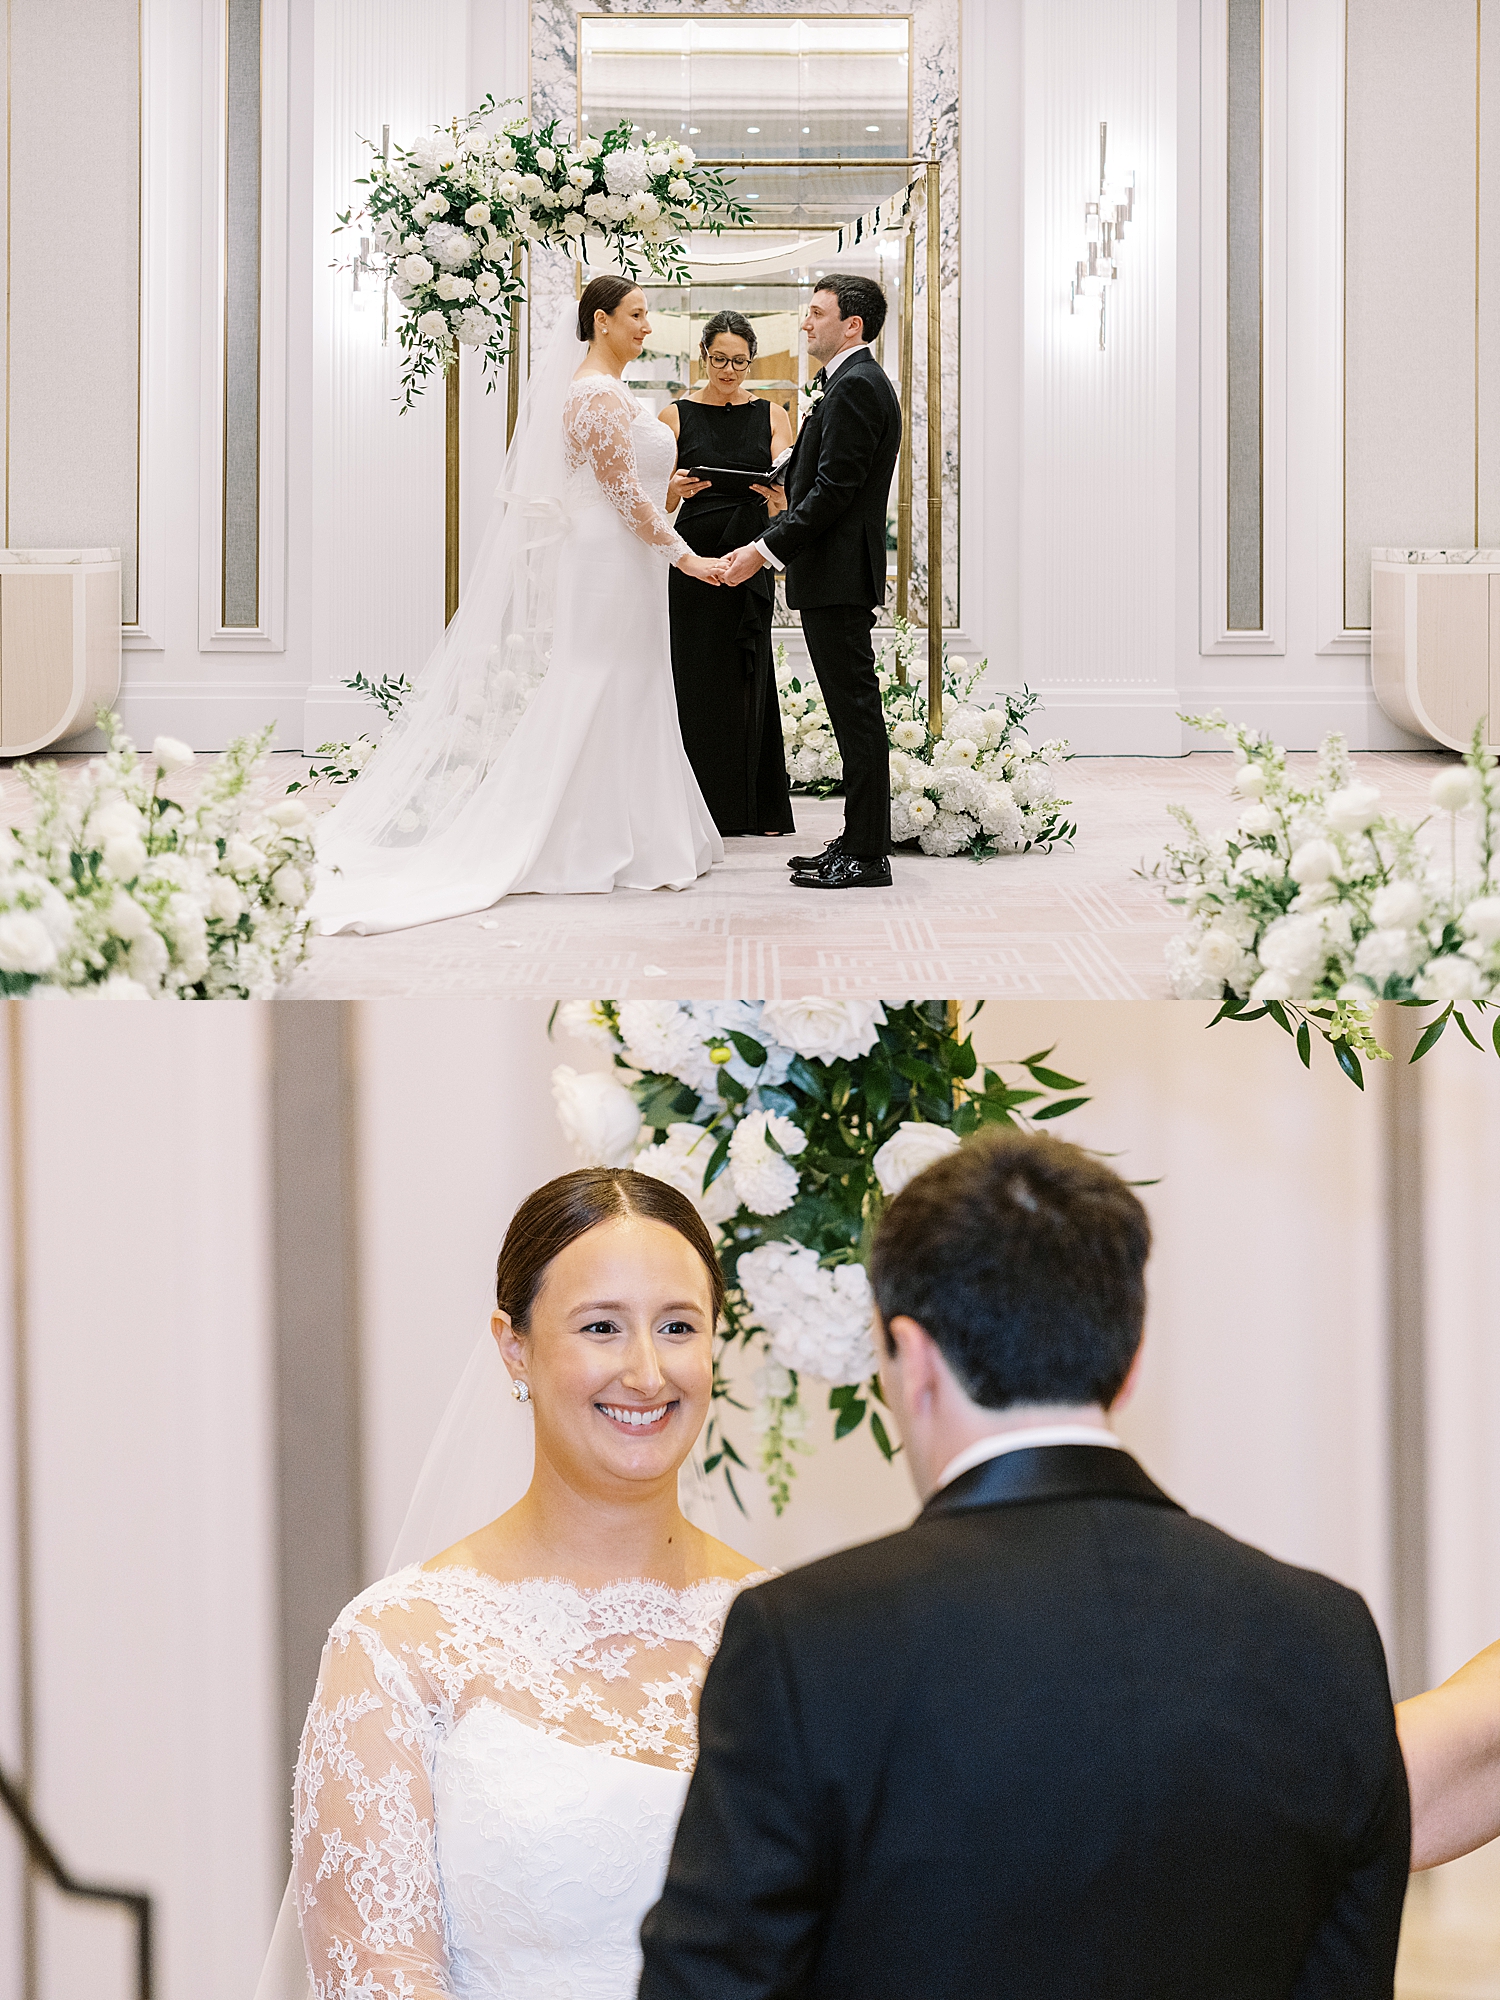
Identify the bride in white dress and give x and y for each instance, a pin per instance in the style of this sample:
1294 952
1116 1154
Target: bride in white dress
540 748
498 1750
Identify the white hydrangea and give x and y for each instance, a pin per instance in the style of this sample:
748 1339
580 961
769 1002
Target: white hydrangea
626 172
1187 977
1034 784
764 1179
681 1160
818 1320
950 833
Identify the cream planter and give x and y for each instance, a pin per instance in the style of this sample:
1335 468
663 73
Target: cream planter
1435 641
59 644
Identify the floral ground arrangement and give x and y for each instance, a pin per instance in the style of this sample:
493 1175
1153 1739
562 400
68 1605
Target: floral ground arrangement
447 213
1318 903
981 788
116 891
790 1124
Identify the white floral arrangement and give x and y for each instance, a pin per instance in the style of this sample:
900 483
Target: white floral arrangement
789 1124
341 763
114 890
448 211
1318 902
982 788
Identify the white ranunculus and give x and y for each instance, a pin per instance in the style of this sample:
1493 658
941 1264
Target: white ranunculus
686 156
125 856
822 1030
1314 861
1250 781
582 1021
170 756
765 1180
289 886
599 1117
921 812
433 326
226 899
1352 809
1399 906
681 1160
1452 978
662 1038
1482 919
963 750
1453 789
25 944
1256 821
1385 954
910 1148
818 1321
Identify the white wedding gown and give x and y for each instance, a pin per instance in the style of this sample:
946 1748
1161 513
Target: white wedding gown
573 782
490 1778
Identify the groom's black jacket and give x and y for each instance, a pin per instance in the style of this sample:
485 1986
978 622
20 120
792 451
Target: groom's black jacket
832 536
1057 1741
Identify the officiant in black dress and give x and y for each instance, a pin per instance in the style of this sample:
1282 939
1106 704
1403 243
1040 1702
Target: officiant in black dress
721 638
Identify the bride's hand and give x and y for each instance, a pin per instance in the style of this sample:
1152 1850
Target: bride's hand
702 568
682 486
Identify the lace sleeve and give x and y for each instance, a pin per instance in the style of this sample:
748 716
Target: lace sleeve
596 430
363 1855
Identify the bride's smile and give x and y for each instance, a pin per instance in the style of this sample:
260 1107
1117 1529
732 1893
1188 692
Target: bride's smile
625 1415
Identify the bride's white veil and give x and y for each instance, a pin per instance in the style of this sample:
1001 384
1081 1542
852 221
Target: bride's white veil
474 688
478 1465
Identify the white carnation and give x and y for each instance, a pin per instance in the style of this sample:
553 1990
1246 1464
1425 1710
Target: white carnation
818 1321
913 1146
599 1117
824 1030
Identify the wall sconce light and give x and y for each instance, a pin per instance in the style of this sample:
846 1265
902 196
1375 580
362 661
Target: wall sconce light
1104 221
371 267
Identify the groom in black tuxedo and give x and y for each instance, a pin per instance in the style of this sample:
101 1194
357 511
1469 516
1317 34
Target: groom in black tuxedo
831 544
1058 1739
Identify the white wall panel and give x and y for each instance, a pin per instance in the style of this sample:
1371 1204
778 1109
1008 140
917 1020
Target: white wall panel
152 1495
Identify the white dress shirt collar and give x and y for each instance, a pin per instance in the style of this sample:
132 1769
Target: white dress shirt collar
860 346
1023 1440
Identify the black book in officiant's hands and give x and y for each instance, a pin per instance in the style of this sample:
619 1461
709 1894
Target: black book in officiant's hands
738 479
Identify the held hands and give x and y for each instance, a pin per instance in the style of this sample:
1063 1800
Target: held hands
740 566
702 568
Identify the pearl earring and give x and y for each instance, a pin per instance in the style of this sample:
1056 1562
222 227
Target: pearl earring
521 1391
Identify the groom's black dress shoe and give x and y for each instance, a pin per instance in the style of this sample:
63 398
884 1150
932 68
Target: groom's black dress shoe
805 863
846 871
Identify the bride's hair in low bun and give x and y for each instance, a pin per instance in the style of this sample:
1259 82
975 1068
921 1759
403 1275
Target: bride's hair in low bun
601 295
567 1208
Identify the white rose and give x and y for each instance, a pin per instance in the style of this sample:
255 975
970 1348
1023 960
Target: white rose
1314 861
451 286
1452 978
486 285
1398 906
433 326
590 149
1297 946
1250 781
1256 821
1482 920
289 886
574 225
478 214
226 899
25 945
414 271
765 1180
115 817
546 159
824 1030
599 1117
1353 809
1453 789
658 164
1218 952
531 186
125 855
170 755
911 1148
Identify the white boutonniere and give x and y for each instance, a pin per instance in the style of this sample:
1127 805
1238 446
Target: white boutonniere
810 397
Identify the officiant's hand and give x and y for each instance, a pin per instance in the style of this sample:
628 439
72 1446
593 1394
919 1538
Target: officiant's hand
682 486
741 566
774 497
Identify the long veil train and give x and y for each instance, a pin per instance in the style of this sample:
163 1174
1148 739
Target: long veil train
478 1465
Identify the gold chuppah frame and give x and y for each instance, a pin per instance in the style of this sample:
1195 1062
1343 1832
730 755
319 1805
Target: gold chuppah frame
931 184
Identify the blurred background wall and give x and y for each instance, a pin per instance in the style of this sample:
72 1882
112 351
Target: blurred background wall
245 1252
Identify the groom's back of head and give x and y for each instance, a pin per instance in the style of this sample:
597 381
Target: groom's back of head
1024 1258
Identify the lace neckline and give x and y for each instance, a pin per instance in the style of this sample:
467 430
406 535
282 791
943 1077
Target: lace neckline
594 1592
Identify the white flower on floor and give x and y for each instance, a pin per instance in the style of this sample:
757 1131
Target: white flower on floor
950 833
764 1178
913 1146
824 1030
680 1160
818 1320
599 1117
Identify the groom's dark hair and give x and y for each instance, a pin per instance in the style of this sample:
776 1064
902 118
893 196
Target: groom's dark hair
1024 1258
856 295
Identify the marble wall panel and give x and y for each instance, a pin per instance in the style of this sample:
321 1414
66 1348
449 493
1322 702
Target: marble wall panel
936 87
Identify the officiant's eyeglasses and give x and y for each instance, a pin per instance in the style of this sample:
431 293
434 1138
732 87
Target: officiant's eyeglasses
738 362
